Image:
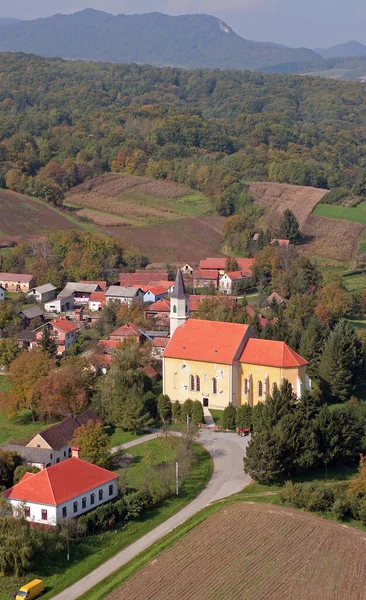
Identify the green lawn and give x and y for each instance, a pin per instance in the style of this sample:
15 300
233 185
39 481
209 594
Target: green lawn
355 282
86 555
217 416
356 214
118 436
16 429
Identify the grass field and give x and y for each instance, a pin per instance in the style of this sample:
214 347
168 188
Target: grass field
259 551
355 215
118 436
86 555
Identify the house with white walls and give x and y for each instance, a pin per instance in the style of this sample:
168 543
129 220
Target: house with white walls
63 491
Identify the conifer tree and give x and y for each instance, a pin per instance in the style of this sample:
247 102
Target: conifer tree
265 457
312 344
47 343
229 417
290 229
176 411
244 416
164 407
342 360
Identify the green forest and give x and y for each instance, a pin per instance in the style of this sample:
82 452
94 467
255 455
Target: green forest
64 122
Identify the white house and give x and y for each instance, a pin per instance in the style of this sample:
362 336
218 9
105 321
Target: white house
63 491
60 305
96 301
153 294
2 293
43 293
56 440
124 295
234 282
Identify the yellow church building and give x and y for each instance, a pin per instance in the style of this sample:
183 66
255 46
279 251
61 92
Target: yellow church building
224 363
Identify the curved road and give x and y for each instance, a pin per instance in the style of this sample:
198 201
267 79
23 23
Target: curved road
227 451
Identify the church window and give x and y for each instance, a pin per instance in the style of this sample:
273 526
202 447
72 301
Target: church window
260 389
214 385
174 309
198 383
175 381
186 308
246 387
191 383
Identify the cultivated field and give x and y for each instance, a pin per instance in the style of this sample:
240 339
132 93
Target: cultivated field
256 552
356 214
330 237
21 217
279 196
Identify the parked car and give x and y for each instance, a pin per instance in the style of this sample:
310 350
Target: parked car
243 432
30 590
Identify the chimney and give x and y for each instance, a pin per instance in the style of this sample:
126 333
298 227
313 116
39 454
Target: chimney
75 451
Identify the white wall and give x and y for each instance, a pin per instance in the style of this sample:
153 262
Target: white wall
36 511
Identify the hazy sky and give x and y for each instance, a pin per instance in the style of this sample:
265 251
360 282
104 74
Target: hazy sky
292 22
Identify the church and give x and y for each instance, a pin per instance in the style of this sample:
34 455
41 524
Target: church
224 363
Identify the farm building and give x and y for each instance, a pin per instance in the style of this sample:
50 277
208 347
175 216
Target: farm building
60 305
43 293
282 243
63 491
143 277
205 278
124 295
158 346
235 282
57 439
219 264
159 311
81 292
274 297
102 284
224 363
29 314
16 282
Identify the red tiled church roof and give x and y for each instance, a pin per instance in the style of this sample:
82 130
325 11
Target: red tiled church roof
271 353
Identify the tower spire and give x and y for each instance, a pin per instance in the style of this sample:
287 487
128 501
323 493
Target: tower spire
179 303
179 292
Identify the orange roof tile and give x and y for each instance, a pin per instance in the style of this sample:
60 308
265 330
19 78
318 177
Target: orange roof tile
205 274
98 297
105 344
160 342
159 306
64 325
150 371
125 331
157 291
60 483
208 341
270 353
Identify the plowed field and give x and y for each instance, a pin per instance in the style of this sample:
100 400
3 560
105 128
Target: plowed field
256 552
332 238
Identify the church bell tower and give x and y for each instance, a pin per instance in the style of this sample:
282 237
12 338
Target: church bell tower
179 303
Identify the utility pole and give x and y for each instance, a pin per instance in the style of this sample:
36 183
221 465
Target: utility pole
67 539
177 478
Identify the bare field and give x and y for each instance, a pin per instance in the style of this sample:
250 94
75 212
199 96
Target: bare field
185 239
332 238
21 217
256 552
101 219
279 196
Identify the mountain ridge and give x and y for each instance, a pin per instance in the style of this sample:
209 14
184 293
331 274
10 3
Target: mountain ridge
346 50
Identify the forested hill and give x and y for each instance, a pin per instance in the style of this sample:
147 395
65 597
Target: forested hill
62 122
189 41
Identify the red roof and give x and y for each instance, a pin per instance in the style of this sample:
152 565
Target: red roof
150 371
160 342
236 275
60 483
64 325
102 284
16 277
220 263
281 242
143 278
105 344
98 297
208 341
126 331
157 291
159 306
205 274
270 353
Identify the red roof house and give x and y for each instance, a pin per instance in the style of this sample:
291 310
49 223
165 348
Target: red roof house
131 330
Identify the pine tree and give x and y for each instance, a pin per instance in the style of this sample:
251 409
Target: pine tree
176 411
265 457
290 229
342 360
197 412
47 343
133 415
244 416
229 417
312 344
164 407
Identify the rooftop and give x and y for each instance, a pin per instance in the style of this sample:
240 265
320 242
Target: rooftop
31 312
160 306
61 434
118 291
42 289
60 483
64 325
16 277
271 353
34 455
72 287
208 341
179 291
126 331
205 274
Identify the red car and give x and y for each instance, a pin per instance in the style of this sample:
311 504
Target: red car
243 432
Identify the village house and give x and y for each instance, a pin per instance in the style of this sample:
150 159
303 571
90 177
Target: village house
56 440
60 305
158 346
235 282
81 291
62 331
63 491
143 278
30 314
224 363
159 311
2 293
282 243
16 282
102 284
124 295
127 331
33 457
206 278
277 299
27 339
187 270
43 293
97 301
153 294
219 264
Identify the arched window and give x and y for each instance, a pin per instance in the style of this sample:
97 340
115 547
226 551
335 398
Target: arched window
246 387
191 383
198 383
214 385
175 381
174 308
260 389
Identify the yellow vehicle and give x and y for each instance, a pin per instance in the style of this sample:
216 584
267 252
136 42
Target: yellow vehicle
30 590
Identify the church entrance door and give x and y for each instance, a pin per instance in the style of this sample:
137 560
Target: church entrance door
205 402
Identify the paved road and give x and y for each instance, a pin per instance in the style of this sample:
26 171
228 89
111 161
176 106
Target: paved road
227 450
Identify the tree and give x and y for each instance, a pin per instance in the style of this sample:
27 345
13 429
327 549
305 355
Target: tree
357 486
244 416
9 461
229 417
290 229
341 363
22 470
334 303
264 460
197 412
187 409
133 415
176 411
47 343
9 350
312 344
94 444
359 187
65 390
16 546
164 407
24 375
257 416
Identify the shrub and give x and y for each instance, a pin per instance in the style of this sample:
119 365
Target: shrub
362 510
335 196
197 412
244 416
292 493
176 410
317 497
187 409
229 417
341 508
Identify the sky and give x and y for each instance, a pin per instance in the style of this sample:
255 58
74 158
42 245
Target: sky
310 23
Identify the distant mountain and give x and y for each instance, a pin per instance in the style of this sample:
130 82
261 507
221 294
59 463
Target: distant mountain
5 21
190 41
352 68
343 50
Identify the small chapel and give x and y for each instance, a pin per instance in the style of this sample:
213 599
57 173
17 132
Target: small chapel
224 363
